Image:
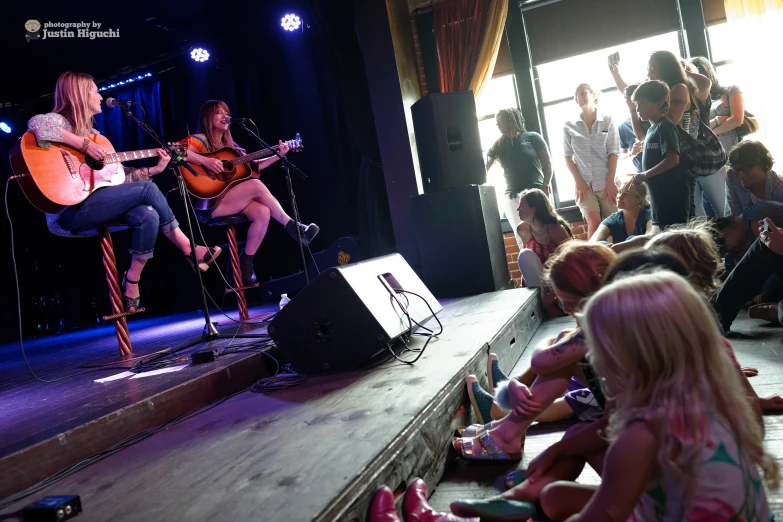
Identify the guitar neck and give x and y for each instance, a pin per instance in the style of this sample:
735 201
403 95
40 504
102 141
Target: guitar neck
118 157
259 154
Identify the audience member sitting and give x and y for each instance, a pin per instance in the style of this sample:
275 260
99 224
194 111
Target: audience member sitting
542 230
574 272
682 428
763 259
750 178
631 226
695 244
738 232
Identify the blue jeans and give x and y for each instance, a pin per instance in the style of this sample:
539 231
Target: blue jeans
713 187
140 205
745 281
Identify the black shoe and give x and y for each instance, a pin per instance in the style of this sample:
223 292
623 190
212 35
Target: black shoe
246 266
307 232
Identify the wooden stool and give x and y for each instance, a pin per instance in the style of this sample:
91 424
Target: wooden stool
233 248
112 279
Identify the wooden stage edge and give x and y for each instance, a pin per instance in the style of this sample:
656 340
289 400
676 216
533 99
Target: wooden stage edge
29 465
295 439
422 448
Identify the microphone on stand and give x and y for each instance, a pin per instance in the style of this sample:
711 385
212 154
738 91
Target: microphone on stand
231 120
111 102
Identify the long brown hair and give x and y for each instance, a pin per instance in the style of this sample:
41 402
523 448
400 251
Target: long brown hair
205 127
543 210
71 96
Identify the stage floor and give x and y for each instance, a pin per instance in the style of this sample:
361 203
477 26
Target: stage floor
313 452
77 417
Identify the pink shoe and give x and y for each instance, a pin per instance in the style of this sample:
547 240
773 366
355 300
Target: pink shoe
416 509
382 508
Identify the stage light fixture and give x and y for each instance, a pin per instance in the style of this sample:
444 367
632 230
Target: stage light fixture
5 127
199 54
291 22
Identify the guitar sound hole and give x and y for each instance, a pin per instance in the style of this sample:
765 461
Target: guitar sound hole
227 166
93 163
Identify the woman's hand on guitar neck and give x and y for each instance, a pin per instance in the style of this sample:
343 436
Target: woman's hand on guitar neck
163 162
282 148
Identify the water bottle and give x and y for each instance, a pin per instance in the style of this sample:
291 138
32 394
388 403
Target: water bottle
284 300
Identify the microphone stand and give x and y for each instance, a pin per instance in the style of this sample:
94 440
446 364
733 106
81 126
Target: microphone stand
287 166
210 332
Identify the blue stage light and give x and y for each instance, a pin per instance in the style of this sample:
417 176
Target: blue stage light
125 81
291 22
4 127
198 54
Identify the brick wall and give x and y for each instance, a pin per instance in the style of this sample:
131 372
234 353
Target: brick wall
512 250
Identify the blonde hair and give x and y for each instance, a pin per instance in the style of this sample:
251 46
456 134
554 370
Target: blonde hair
206 113
71 99
640 190
653 339
695 243
578 267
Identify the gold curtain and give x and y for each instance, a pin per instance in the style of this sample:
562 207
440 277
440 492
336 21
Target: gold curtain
736 9
493 36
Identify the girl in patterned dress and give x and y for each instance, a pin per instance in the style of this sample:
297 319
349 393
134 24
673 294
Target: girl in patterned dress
684 443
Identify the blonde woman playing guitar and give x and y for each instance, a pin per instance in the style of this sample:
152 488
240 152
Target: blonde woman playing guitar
249 197
137 202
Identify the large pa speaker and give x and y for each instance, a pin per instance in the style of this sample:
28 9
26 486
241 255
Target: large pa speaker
350 313
460 242
448 142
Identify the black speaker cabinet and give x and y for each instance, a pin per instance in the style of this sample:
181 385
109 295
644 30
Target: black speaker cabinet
460 242
448 142
350 313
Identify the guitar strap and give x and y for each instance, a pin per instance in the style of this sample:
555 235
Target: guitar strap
201 140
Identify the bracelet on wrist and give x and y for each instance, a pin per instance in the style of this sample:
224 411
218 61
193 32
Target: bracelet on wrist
85 145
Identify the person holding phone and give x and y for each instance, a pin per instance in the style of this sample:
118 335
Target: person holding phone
762 259
592 147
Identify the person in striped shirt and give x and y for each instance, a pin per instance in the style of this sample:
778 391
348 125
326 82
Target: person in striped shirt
591 146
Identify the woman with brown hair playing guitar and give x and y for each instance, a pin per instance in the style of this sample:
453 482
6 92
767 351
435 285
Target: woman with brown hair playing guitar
137 202
249 197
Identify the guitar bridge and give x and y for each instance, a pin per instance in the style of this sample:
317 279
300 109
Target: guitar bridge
69 163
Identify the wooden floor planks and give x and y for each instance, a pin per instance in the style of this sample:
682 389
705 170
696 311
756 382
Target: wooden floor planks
288 455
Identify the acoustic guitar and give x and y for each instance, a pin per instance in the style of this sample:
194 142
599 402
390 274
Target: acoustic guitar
208 189
60 176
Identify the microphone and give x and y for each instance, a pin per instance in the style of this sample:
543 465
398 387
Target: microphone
231 120
111 102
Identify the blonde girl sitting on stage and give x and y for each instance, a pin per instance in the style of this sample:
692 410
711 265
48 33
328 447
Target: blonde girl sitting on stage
684 444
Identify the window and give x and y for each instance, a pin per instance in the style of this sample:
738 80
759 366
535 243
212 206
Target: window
745 62
499 93
558 81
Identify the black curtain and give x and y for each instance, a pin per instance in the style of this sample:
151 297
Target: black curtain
311 82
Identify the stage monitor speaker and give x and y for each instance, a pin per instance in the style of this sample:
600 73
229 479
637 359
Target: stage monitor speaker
350 313
460 242
448 142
